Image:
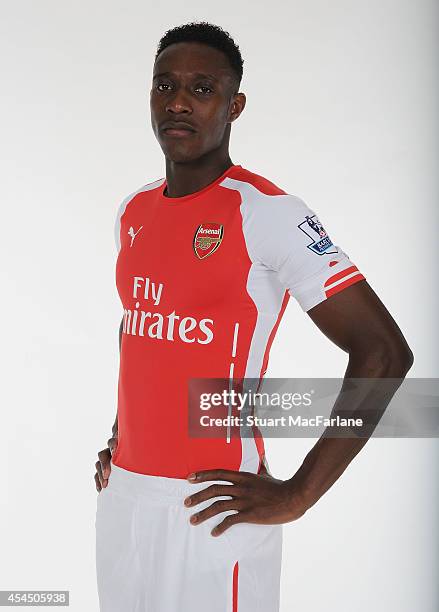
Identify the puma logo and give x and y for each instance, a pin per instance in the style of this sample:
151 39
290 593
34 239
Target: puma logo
133 234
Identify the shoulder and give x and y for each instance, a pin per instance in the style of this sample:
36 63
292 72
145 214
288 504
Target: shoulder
148 187
131 196
258 182
262 197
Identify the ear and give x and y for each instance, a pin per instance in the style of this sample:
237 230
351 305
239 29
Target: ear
237 106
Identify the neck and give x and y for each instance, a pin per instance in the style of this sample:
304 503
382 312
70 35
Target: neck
186 178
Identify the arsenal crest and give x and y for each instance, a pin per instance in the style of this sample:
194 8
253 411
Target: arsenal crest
207 239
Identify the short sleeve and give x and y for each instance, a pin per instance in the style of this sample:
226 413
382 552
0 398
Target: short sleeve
120 211
298 247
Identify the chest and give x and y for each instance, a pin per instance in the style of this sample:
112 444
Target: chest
182 257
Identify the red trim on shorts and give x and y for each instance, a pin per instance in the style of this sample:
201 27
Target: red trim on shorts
235 587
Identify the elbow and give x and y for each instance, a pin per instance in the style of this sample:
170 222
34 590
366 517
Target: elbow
389 358
409 359
401 355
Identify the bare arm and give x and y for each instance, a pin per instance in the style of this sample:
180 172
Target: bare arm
356 321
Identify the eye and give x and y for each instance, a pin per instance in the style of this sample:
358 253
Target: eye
166 85
204 87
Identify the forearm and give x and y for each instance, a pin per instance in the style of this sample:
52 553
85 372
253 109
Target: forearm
115 425
330 456
114 429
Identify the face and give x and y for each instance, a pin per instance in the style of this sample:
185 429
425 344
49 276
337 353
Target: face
193 100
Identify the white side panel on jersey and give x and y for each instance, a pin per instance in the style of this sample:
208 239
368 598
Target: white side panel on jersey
267 293
125 203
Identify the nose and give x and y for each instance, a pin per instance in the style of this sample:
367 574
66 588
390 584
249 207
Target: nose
178 103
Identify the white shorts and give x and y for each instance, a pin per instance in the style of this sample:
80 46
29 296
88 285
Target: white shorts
149 558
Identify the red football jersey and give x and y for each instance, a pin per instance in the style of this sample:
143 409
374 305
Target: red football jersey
204 280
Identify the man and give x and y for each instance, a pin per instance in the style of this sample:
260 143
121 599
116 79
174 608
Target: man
208 258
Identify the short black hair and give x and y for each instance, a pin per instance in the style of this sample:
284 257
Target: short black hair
209 34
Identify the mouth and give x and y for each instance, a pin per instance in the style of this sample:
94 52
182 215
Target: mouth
177 129
178 132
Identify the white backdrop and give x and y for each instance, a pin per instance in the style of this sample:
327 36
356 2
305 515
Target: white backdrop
341 112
